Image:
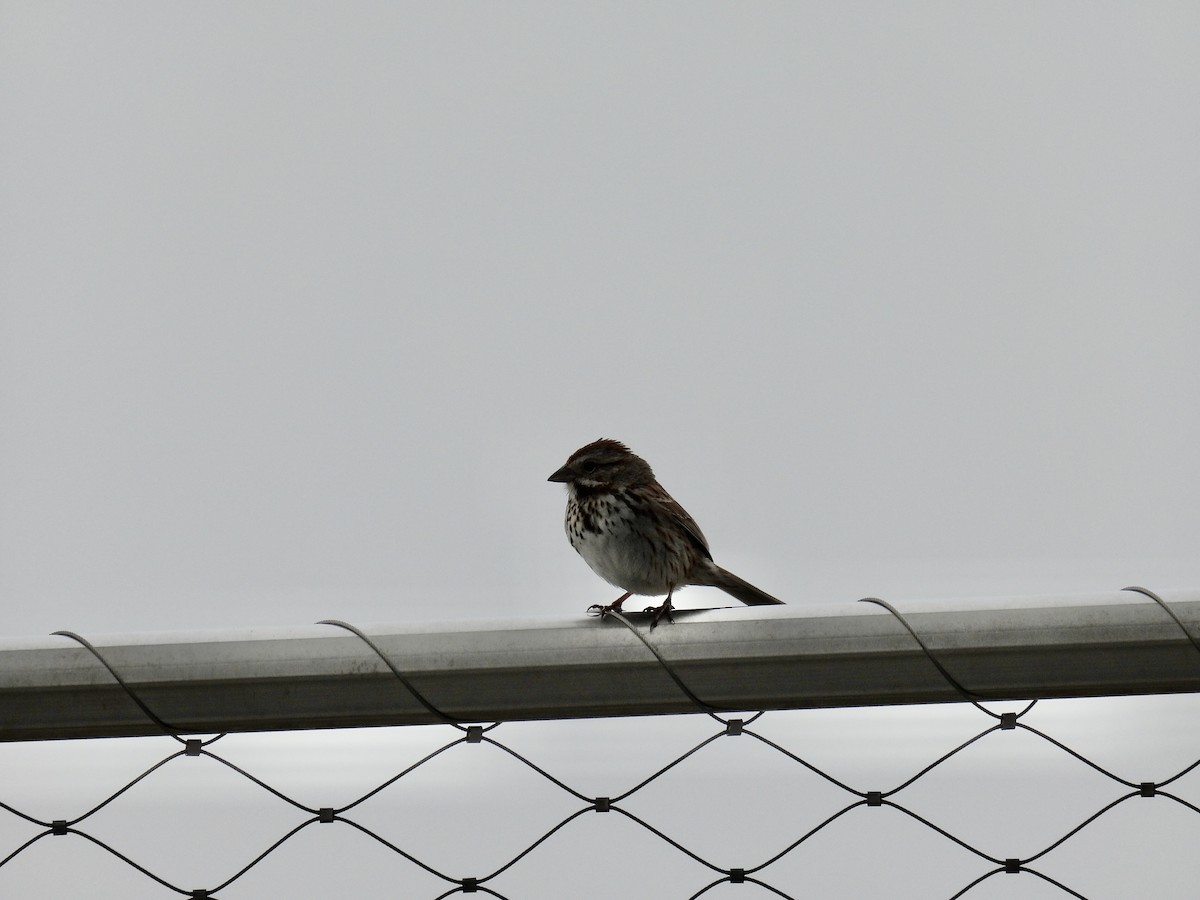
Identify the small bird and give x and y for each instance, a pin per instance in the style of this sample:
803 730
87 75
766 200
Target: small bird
632 532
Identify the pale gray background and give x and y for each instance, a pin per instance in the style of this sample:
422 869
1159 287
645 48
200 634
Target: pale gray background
300 303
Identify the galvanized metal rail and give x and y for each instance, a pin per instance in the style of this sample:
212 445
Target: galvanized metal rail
737 659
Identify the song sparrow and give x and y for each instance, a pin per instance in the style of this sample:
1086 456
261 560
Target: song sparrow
633 534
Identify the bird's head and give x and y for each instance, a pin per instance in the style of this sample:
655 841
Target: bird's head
604 463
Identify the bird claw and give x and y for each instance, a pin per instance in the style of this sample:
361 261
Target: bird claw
659 613
602 611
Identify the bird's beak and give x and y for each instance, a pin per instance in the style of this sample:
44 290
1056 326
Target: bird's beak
562 476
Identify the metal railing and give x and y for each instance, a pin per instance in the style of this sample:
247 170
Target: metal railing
716 662
787 657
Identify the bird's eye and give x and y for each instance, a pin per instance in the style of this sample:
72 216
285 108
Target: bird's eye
589 468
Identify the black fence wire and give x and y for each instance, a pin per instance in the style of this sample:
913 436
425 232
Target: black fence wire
711 875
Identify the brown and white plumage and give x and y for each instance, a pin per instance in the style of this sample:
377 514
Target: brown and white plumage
633 533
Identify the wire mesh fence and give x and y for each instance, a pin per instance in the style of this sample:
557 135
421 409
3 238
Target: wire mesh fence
1084 798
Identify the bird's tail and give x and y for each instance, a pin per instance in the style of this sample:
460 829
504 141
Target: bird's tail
736 587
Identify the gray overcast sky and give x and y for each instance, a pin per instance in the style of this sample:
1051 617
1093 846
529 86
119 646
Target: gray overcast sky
300 303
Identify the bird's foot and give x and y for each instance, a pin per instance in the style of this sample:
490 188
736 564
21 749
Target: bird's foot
597 610
660 612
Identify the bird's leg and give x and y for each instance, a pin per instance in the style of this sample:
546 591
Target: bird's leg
664 610
597 610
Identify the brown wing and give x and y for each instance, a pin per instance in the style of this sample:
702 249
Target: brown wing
680 516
